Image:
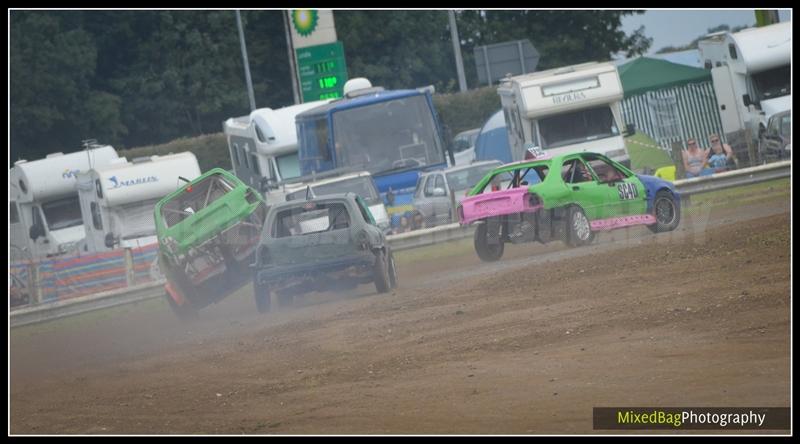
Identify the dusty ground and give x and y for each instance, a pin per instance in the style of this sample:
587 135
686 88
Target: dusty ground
530 344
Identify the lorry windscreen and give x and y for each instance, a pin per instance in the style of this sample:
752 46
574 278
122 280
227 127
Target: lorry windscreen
772 83
577 126
62 213
386 136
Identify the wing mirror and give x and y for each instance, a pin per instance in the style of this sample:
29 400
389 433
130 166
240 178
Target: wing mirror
110 240
439 192
36 231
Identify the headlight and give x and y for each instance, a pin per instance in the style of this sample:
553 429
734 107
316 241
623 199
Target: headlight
362 241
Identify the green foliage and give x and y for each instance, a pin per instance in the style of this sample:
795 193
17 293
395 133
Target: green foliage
211 150
132 78
467 110
561 37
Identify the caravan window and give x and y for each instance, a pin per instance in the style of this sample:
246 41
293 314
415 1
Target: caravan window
97 220
12 212
63 213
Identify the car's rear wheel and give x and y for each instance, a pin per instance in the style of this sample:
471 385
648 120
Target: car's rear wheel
489 251
262 295
666 211
380 274
579 231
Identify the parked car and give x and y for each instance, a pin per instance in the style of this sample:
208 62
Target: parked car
573 197
464 146
360 183
437 189
775 142
319 243
207 232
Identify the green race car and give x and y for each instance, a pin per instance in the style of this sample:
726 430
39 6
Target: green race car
568 197
207 231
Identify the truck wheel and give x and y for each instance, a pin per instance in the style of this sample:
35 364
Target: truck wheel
184 312
380 274
392 271
579 231
488 252
262 295
666 211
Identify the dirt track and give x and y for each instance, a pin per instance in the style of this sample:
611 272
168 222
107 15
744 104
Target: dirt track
526 345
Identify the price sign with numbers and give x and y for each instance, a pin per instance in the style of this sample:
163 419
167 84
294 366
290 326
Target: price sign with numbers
322 70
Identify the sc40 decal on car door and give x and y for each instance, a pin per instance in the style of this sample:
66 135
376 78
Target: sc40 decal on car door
627 191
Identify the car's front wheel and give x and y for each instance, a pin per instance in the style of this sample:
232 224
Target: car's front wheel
380 273
666 211
489 250
579 231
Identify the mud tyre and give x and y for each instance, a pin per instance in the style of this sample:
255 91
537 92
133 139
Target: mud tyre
666 211
579 231
488 252
380 274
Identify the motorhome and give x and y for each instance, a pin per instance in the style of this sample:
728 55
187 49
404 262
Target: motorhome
117 200
45 218
263 145
751 71
570 109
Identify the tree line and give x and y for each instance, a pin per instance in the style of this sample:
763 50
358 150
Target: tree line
132 78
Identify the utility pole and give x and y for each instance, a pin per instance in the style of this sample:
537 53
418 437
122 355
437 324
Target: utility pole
246 63
462 81
290 49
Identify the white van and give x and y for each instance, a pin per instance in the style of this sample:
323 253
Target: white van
565 110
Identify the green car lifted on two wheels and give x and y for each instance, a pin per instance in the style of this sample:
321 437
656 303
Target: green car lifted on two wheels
569 197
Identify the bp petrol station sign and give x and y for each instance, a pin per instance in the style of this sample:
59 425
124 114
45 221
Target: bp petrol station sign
321 67
322 71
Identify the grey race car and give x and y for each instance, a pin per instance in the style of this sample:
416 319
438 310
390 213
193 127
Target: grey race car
317 244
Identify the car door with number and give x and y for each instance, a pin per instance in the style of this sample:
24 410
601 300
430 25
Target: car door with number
629 196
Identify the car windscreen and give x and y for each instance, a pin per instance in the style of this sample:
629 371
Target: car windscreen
468 177
309 218
195 198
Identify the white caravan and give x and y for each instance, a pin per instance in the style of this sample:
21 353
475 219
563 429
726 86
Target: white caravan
117 201
564 110
44 216
751 71
263 145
